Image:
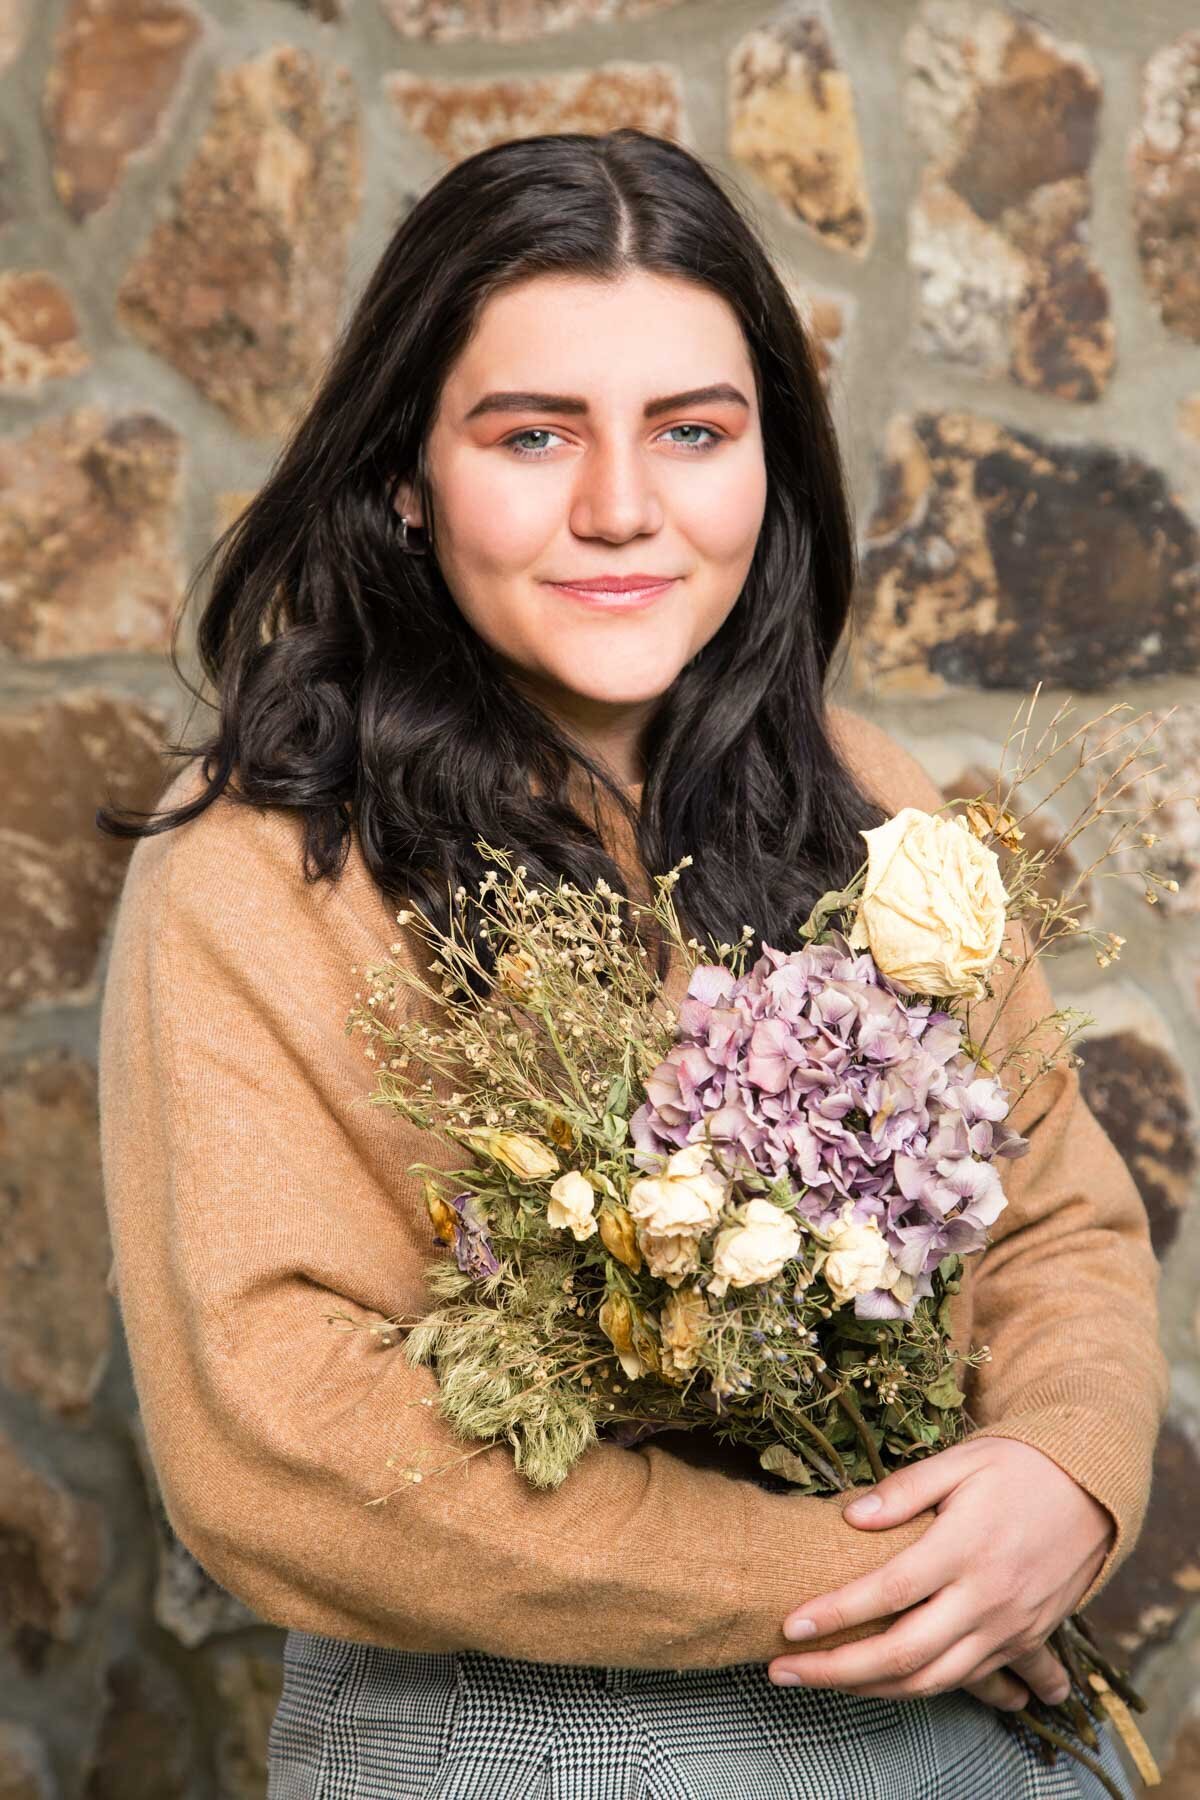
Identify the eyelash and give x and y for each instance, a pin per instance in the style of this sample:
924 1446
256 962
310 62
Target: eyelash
715 437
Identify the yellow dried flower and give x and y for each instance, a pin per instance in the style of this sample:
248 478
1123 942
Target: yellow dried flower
518 975
986 820
681 1324
618 1234
559 1131
527 1157
626 1330
442 1214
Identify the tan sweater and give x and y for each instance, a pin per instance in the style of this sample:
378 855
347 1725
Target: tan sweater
251 1190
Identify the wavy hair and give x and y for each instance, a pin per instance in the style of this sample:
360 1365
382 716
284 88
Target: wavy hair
349 686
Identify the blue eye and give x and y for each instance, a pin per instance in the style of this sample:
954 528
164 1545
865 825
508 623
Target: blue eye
543 431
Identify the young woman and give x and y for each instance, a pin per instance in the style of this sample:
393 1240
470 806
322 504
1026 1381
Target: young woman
559 558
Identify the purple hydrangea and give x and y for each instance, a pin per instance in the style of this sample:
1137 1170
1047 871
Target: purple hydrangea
814 1065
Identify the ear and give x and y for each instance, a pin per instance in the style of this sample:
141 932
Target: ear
404 501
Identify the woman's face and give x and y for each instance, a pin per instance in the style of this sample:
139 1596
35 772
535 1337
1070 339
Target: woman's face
596 429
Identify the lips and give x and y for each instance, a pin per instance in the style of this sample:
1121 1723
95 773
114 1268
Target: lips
620 593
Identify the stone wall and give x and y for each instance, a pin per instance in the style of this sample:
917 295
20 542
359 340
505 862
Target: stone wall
993 224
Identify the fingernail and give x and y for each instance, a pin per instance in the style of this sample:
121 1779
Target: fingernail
864 1507
1059 1695
786 1680
799 1628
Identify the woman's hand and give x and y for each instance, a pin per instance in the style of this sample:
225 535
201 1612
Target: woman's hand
1015 1543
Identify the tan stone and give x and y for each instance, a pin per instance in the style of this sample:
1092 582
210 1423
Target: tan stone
1139 1094
825 319
229 506
117 66
1152 1592
59 876
39 333
54 1250
90 557
248 1686
25 1772
792 124
1181 1774
1165 170
510 21
15 16
1187 420
330 12
996 559
240 288
998 231
53 1556
1172 790
457 118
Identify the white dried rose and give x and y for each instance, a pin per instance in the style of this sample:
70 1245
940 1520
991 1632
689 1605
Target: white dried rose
681 1328
932 910
670 1255
754 1250
857 1259
572 1206
686 1197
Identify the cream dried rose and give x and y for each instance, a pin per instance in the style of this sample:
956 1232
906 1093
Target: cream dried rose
684 1198
572 1206
670 1255
681 1327
755 1249
933 906
857 1259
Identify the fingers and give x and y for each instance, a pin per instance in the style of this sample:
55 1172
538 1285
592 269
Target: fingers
920 1639
1000 1690
909 1576
1043 1672
909 1491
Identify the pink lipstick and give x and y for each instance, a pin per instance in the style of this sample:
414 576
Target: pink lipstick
616 593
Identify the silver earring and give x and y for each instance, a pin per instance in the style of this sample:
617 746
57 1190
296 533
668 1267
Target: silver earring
406 545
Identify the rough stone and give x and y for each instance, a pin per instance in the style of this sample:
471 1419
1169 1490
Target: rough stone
1062 879
330 12
25 1772
792 124
39 333
1157 1585
510 21
1171 793
457 118
240 287
187 1601
826 318
248 1686
117 65
1165 172
995 558
15 16
53 1556
1181 1775
145 1745
228 507
1138 1093
59 876
1187 420
54 1253
90 555
998 232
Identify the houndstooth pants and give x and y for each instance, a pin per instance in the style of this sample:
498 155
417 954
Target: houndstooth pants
360 1723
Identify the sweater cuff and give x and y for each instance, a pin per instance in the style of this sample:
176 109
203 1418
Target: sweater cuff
1103 1455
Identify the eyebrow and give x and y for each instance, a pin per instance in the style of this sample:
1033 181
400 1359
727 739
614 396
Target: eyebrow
570 403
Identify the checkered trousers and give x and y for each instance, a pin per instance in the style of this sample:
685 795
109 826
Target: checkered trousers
360 1723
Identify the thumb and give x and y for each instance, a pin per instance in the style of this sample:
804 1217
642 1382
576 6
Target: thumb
906 1492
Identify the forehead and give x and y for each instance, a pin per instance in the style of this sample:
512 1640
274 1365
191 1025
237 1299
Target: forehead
635 334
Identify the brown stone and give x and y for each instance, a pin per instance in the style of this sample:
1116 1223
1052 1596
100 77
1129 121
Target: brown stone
117 66
997 559
1157 1585
1168 787
24 1765
1061 879
59 876
53 1556
1138 1093
248 1686
240 288
457 118
510 21
1187 420
39 333
1181 1774
792 124
825 320
228 507
54 1251
998 233
187 1601
1165 170
145 1745
15 16
89 536
330 12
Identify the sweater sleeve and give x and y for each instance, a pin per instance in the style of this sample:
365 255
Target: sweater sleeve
1066 1294
251 1190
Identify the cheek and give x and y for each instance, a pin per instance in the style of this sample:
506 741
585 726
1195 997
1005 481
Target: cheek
723 517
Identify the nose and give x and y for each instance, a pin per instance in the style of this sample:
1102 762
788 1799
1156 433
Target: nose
615 495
